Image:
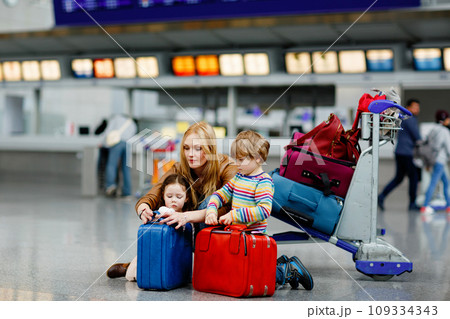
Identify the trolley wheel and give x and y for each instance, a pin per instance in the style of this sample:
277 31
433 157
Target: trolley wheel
381 277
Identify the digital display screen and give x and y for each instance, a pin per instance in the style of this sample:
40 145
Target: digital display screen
231 64
147 67
256 64
51 70
124 68
325 62
12 71
380 60
83 68
93 5
207 65
183 65
298 62
352 61
31 71
429 59
68 12
1 73
446 59
103 68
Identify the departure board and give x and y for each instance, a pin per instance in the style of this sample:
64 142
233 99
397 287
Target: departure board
84 12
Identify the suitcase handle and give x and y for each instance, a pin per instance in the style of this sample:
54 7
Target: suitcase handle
322 179
235 237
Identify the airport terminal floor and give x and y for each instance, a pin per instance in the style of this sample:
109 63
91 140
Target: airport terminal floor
57 245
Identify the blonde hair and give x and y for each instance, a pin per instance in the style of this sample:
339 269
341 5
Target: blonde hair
250 144
211 171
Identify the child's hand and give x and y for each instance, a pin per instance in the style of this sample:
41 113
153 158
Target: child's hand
211 219
226 219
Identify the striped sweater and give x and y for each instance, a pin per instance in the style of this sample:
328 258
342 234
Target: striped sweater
251 200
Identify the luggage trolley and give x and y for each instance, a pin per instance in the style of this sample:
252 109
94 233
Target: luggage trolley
356 231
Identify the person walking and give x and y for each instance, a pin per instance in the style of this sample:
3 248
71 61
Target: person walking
407 138
119 129
441 141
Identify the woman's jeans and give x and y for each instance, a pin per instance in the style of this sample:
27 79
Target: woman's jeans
437 175
118 154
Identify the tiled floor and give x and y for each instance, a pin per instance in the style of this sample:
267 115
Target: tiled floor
56 245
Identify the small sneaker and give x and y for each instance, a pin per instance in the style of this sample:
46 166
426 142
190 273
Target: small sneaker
283 264
300 274
426 210
413 206
111 191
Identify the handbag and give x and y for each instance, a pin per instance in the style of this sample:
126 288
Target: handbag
114 137
330 139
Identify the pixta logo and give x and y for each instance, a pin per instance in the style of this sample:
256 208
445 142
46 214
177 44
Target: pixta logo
148 145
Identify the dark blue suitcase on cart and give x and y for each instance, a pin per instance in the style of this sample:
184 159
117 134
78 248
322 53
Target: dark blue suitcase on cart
299 204
164 256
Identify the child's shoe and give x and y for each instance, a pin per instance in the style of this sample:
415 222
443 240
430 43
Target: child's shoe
426 210
284 265
300 274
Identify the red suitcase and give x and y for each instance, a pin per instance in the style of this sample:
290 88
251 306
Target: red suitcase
231 261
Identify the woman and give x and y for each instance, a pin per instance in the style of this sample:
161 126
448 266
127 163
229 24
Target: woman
206 171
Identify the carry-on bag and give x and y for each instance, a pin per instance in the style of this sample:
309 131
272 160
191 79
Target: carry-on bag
296 204
332 176
330 139
234 262
164 256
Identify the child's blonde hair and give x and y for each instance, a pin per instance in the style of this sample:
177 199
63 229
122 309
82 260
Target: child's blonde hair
250 144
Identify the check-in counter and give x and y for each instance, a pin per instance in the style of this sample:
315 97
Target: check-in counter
21 153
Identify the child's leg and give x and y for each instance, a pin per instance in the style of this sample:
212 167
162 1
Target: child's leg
131 271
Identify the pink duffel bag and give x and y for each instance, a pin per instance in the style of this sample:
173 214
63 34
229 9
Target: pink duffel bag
330 175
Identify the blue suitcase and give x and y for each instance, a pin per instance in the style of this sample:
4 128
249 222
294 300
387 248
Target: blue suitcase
164 256
296 203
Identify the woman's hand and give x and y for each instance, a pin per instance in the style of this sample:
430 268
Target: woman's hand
226 219
211 219
145 213
171 217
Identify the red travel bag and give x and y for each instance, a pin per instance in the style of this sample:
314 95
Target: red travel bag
332 176
234 262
